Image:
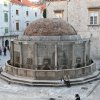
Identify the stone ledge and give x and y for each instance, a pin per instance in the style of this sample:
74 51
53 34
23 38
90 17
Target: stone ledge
31 82
51 74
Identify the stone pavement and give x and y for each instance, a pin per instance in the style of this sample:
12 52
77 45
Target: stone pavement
3 59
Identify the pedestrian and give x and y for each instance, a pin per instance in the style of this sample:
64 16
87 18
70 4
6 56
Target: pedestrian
62 80
1 70
77 97
66 81
4 50
0 51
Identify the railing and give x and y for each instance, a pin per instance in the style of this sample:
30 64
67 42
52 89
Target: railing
51 74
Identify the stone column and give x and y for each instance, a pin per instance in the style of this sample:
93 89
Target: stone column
12 52
56 56
89 46
84 53
73 56
35 54
21 54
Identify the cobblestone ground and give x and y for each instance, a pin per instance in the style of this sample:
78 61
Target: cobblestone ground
19 92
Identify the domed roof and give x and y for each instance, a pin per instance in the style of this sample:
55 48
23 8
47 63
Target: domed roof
49 27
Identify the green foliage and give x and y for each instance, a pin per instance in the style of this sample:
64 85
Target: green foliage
44 13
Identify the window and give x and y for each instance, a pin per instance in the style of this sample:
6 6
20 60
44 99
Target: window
17 12
59 13
35 14
6 29
26 13
17 26
6 17
93 17
5 3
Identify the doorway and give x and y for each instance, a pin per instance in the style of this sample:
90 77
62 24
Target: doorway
6 43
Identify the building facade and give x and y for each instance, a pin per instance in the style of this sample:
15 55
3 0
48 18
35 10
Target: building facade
15 16
83 15
4 20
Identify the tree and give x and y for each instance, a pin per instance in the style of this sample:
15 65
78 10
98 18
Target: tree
44 13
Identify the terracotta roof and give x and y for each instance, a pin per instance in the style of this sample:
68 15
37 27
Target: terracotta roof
49 27
41 6
29 4
24 2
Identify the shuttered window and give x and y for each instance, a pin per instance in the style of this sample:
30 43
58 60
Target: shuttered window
6 17
94 16
17 26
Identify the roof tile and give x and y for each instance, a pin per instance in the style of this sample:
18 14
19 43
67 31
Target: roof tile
23 2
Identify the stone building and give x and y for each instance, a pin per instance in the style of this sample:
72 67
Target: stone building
83 15
16 15
47 49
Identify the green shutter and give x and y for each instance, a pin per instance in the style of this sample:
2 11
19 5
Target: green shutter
6 17
6 30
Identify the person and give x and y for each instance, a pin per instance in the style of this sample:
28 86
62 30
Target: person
4 51
66 81
1 70
62 80
0 51
77 97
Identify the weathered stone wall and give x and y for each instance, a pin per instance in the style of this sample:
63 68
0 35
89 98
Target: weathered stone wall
55 5
78 17
28 55
51 74
39 54
79 54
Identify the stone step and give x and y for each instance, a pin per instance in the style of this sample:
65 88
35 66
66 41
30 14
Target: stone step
9 80
87 80
31 82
